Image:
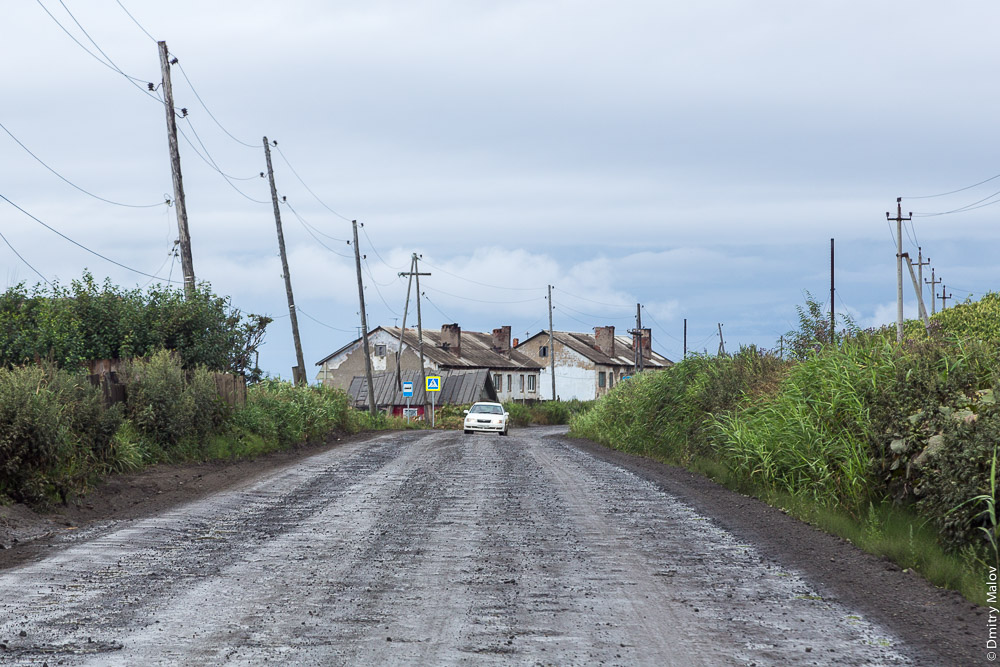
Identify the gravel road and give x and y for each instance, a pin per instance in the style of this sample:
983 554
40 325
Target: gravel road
429 548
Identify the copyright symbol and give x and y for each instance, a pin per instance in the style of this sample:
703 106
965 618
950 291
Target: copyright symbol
991 656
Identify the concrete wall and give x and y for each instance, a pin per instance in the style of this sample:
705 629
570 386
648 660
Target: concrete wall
339 371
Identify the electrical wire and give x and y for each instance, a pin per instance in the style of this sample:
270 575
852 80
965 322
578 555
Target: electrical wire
378 291
465 298
77 243
661 327
108 62
134 20
313 227
968 187
171 255
476 282
26 262
315 196
212 163
323 324
209 112
71 183
962 209
449 319
309 231
597 317
372 246
583 298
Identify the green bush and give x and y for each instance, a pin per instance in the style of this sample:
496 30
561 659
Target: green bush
280 412
54 433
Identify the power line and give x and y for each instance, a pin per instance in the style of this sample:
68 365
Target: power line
448 319
377 290
26 262
134 20
71 183
211 162
324 324
372 246
465 298
315 196
601 303
662 328
599 317
313 227
968 187
208 111
77 243
476 282
968 207
308 229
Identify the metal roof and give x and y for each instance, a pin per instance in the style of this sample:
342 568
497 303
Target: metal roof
458 386
586 344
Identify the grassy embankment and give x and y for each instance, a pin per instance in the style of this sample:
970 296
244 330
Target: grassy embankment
890 446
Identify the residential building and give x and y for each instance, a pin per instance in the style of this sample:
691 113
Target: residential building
458 387
515 376
588 366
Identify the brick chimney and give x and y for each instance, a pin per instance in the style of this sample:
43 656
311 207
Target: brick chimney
501 340
451 338
647 343
605 339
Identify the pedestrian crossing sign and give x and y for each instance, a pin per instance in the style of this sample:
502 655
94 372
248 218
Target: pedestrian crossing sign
433 383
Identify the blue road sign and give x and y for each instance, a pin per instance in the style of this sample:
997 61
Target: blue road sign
433 383
407 389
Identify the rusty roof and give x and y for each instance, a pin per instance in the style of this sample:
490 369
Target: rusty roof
476 351
586 344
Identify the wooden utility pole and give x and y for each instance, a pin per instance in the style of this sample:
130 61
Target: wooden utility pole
944 297
420 333
722 341
920 270
833 316
184 238
411 274
552 350
299 372
638 332
918 291
933 283
899 264
364 324
685 338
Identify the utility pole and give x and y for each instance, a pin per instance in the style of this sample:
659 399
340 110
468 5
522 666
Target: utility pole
637 340
685 338
722 342
933 284
364 324
944 297
420 333
833 316
918 291
920 270
184 237
899 264
411 275
552 351
299 372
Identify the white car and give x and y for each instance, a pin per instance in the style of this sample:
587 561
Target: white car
486 418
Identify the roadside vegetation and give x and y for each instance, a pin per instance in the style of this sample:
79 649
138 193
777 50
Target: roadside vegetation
891 446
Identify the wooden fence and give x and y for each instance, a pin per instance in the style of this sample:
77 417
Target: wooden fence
232 388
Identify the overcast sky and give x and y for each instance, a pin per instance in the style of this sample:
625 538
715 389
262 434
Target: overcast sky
696 158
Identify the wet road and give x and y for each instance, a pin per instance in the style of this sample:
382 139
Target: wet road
427 548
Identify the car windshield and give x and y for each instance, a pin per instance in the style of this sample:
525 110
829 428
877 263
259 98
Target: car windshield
487 409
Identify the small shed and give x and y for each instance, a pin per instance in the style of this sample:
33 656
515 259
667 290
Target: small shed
458 387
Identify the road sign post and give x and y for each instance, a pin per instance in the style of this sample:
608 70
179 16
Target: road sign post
408 393
433 387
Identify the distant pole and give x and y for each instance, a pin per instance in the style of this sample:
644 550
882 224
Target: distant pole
184 237
413 273
300 370
364 324
722 341
638 327
920 271
685 338
899 264
420 335
944 297
833 316
933 283
552 350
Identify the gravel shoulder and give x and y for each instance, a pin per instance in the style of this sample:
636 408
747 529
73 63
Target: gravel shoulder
940 623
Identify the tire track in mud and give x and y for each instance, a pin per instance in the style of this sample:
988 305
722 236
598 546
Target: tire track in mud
427 548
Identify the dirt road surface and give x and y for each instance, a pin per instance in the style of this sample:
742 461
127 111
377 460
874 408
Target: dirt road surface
438 548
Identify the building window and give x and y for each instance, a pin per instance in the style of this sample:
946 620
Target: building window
543 351
520 384
601 379
379 350
498 382
531 384
510 383
611 379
